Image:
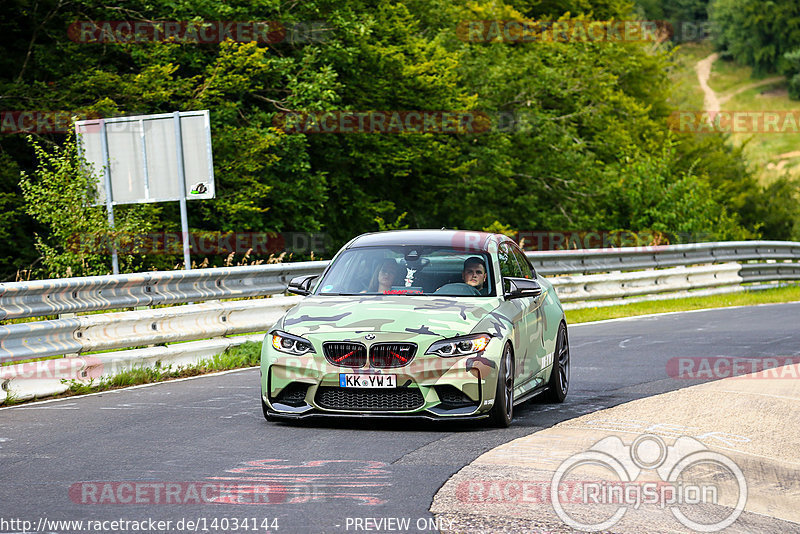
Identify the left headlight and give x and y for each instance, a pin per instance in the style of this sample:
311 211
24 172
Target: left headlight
290 344
460 346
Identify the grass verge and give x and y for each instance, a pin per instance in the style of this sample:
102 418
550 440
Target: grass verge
745 298
245 355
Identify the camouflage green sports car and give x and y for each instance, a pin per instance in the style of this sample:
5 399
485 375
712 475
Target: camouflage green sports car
439 324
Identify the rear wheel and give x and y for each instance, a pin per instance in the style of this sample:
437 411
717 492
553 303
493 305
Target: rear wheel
503 410
559 376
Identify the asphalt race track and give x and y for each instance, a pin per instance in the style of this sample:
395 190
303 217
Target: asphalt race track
148 453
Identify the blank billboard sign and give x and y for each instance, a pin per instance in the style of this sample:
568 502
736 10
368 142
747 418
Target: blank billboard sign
143 157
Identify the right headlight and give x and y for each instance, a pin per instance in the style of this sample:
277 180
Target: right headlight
290 344
460 346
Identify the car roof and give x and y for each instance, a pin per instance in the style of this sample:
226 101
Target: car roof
442 238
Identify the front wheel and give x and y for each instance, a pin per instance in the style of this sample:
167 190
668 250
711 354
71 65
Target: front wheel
559 376
503 410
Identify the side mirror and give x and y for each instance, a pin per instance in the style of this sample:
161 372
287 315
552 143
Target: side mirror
301 285
516 288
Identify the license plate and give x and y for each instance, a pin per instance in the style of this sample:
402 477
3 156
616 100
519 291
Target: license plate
367 381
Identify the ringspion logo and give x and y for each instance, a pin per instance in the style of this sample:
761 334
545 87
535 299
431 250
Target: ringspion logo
692 480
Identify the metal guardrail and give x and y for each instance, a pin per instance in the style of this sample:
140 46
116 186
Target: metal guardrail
53 377
109 331
70 295
648 282
770 272
589 261
646 271
94 293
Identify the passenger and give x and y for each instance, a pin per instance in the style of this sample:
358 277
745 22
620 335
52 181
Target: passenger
385 277
474 273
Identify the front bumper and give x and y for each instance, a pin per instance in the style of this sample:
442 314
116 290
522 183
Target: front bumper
429 387
425 416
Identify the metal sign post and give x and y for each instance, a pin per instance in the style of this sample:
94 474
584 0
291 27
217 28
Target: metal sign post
109 200
140 163
187 261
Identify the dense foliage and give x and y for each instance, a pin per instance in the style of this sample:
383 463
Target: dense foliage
758 33
687 18
580 139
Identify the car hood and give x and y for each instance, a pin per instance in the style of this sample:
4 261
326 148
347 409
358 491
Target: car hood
438 316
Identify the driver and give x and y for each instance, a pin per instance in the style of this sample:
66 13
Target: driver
474 273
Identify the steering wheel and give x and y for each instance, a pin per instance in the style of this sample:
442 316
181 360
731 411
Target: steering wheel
458 288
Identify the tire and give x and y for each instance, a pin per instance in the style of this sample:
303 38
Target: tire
503 410
558 385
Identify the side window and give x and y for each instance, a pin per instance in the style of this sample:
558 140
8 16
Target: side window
523 263
508 264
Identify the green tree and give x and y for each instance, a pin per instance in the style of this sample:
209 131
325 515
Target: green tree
580 138
59 195
756 33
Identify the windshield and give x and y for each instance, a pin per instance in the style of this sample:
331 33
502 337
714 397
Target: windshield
409 270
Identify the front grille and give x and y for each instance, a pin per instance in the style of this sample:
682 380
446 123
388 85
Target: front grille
385 355
397 399
345 354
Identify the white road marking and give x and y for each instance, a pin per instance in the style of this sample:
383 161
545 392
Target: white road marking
37 404
70 406
625 341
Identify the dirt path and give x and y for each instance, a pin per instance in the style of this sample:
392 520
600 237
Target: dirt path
747 87
783 160
710 101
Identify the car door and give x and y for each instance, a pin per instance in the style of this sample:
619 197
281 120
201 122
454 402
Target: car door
523 357
534 322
